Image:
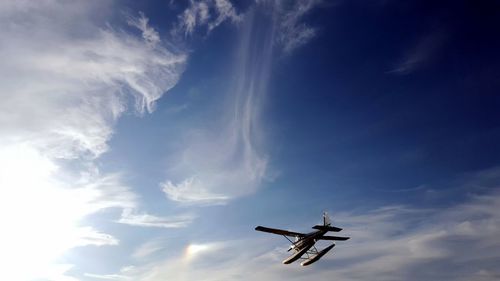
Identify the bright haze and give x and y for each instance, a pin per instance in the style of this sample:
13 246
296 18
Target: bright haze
144 140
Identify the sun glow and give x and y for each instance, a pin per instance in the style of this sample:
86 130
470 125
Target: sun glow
194 251
38 213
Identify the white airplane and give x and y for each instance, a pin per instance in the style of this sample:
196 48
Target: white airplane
304 242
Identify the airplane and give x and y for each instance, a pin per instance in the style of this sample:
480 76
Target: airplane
304 242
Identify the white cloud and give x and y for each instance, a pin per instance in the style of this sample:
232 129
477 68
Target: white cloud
148 33
89 236
205 14
294 33
192 190
225 10
130 217
196 14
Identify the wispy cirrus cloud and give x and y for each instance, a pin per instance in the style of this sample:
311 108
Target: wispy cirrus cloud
141 219
64 84
293 31
98 192
149 34
206 14
420 54
192 190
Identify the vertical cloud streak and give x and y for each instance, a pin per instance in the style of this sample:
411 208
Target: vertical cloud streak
215 167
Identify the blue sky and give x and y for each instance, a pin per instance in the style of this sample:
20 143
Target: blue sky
146 140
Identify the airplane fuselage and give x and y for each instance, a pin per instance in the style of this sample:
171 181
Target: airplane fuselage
309 240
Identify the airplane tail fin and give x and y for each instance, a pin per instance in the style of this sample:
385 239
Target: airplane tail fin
327 224
326 219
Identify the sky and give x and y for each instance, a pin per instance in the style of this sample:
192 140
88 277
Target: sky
145 140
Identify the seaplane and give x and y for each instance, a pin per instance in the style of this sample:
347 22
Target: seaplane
303 243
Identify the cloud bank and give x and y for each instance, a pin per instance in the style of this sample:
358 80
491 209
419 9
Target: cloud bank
459 242
66 77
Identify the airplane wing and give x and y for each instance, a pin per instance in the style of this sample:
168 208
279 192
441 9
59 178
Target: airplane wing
334 238
279 231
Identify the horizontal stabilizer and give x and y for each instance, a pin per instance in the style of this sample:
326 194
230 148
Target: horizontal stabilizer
327 227
279 231
336 238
